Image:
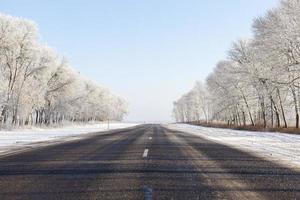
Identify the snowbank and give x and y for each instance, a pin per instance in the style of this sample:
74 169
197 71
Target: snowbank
277 147
28 138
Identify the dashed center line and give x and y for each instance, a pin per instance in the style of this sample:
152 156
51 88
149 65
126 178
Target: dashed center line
148 193
145 154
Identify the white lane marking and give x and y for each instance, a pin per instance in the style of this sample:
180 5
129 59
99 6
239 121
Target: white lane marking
150 138
148 193
145 154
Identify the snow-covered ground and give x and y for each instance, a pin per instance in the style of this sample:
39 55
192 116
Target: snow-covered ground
277 147
19 139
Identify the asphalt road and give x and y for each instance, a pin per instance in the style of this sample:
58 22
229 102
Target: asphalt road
144 162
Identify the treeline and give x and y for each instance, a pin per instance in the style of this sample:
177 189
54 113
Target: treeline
259 83
39 87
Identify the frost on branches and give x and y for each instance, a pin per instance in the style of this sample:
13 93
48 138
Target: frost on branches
37 87
259 83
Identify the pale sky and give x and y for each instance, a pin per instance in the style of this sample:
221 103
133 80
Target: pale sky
148 51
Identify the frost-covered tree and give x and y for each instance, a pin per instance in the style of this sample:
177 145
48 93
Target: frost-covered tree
38 87
193 106
259 83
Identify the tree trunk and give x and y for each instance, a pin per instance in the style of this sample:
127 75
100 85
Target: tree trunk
244 118
276 111
281 107
272 114
249 111
263 112
296 106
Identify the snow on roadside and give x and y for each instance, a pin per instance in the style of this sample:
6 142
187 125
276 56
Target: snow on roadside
278 147
28 138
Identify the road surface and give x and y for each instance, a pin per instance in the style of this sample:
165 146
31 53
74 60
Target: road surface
143 162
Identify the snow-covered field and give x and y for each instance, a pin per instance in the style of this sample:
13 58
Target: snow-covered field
277 147
23 139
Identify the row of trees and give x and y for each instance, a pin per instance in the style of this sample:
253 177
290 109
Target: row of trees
39 87
193 106
259 83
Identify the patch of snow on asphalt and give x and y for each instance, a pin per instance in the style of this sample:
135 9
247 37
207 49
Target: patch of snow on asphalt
278 147
28 138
